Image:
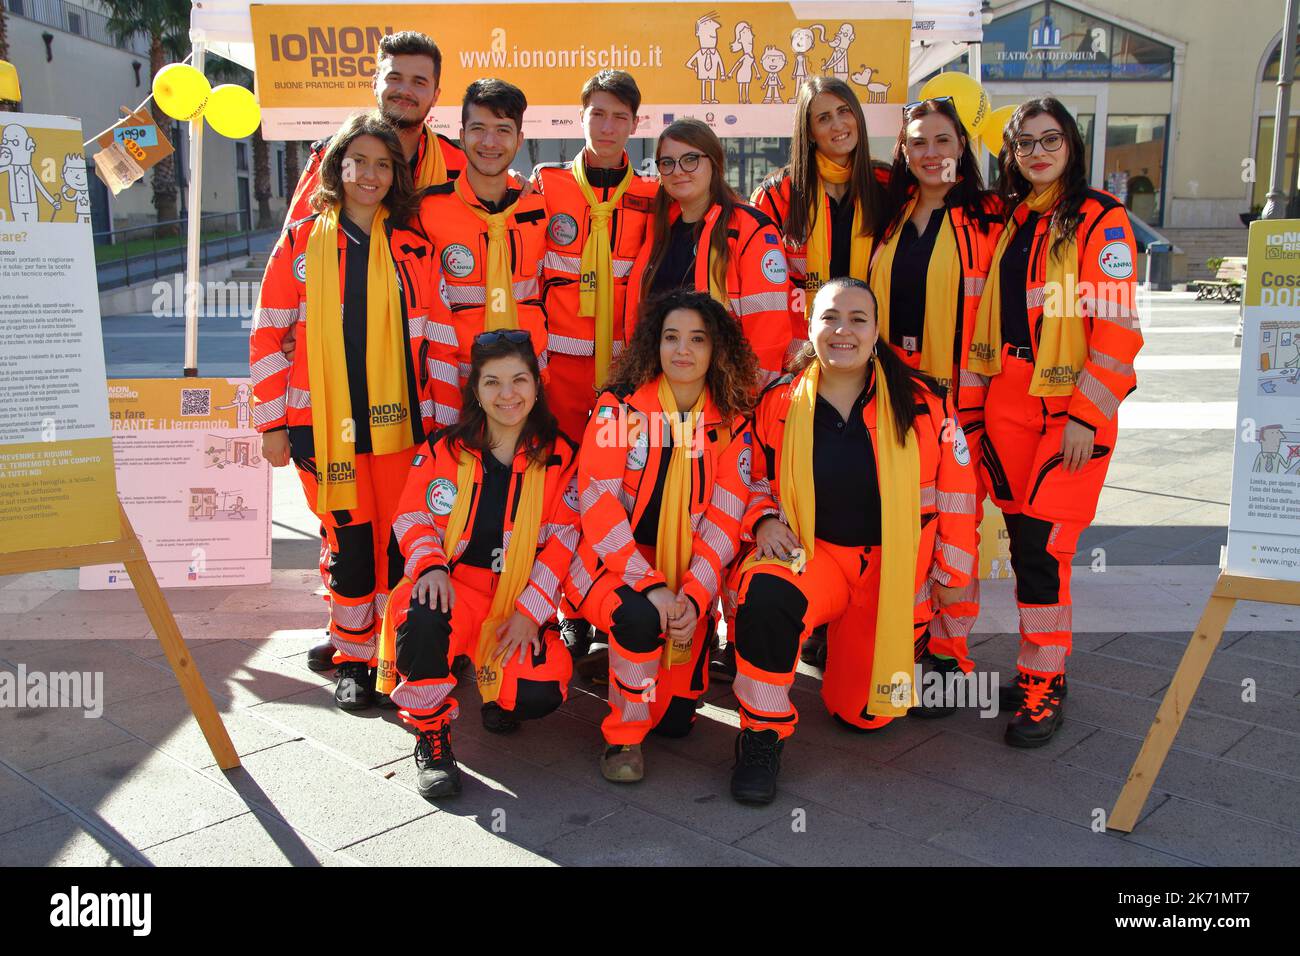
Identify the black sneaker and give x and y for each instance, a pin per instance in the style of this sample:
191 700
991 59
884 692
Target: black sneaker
321 657
1011 696
498 721
1039 715
941 666
576 634
758 761
356 686
439 775
813 652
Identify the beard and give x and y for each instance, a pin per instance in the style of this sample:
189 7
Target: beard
399 118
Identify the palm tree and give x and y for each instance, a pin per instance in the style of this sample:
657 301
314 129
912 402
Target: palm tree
166 24
6 106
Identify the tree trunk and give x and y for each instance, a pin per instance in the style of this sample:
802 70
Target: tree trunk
292 169
262 180
164 174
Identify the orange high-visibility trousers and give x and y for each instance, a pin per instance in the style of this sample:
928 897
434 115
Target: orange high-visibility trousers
643 694
359 576
1046 508
429 639
951 626
571 392
778 609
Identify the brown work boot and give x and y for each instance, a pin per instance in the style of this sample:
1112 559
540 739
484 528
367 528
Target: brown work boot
622 763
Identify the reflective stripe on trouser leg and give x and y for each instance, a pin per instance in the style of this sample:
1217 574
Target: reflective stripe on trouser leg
424 652
635 648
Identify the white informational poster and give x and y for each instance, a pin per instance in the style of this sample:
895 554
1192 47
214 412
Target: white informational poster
1264 520
192 480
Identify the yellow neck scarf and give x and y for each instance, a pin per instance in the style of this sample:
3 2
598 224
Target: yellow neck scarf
432 170
819 232
499 309
709 265
673 543
333 431
520 555
942 282
1063 344
596 284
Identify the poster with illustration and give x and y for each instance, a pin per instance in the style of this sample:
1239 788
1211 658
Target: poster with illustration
193 482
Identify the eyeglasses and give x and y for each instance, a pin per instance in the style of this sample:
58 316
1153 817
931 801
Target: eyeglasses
933 99
1051 142
688 161
513 336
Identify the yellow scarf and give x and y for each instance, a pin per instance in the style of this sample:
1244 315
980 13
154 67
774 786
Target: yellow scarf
673 543
332 428
499 307
942 280
432 170
898 467
596 285
520 555
1063 344
819 233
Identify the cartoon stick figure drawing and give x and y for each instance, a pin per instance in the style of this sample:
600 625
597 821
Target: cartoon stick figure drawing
242 404
75 187
773 62
743 71
801 41
837 64
16 149
707 61
238 508
1270 460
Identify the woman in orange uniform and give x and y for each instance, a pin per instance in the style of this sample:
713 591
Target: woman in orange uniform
856 459
927 273
1056 334
353 402
488 524
703 238
662 476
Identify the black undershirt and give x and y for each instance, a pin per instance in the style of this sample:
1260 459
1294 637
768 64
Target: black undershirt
484 546
1013 277
841 236
647 529
605 181
494 207
907 282
356 266
677 268
845 483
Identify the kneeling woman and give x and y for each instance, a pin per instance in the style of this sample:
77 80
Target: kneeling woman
662 491
857 463
487 525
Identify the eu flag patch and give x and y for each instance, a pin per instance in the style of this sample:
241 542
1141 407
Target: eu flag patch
1115 232
770 239
749 438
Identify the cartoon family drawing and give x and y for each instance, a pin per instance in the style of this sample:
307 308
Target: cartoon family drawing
16 150
76 188
707 64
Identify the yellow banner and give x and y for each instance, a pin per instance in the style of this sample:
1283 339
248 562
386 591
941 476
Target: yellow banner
1273 264
735 65
57 494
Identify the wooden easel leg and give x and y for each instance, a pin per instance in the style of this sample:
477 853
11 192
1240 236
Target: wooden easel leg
1178 697
178 655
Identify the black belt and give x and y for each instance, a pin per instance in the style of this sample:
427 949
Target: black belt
1021 352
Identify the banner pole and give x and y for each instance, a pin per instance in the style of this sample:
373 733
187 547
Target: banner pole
193 225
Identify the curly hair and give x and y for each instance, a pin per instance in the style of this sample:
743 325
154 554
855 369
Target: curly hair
732 379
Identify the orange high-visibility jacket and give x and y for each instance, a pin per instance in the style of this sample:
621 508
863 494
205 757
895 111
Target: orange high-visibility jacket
1107 297
568 224
461 240
282 389
420 525
758 284
949 551
300 204
618 466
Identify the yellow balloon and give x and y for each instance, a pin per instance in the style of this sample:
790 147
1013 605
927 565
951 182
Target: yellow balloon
233 111
968 97
181 91
993 128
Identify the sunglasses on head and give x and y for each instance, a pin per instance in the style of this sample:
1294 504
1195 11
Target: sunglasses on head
931 99
513 336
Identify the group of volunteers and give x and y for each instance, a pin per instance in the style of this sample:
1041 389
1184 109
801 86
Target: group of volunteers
528 413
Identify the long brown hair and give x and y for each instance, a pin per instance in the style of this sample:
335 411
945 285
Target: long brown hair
471 431
732 379
864 189
966 193
400 200
1014 187
692 132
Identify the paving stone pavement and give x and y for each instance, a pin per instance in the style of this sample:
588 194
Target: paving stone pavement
138 787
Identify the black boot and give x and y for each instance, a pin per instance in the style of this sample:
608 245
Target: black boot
942 667
758 761
382 701
1012 695
439 775
814 648
722 664
576 634
1039 715
498 721
321 657
356 687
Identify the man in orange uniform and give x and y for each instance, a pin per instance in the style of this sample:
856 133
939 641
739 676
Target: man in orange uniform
490 239
407 73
